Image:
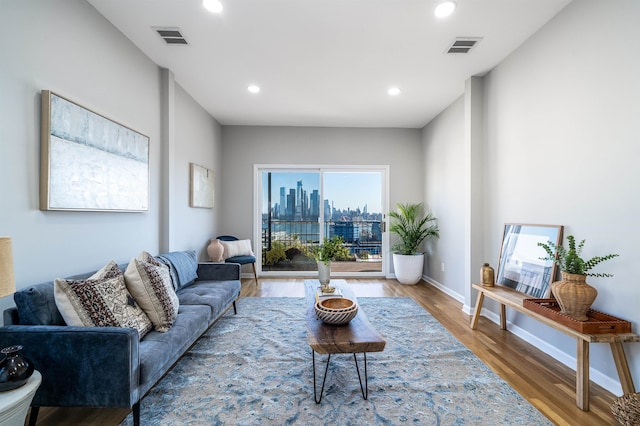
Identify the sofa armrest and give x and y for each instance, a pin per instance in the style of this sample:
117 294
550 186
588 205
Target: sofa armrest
80 366
209 271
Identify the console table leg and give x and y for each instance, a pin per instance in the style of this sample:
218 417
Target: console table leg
582 375
503 317
476 313
626 381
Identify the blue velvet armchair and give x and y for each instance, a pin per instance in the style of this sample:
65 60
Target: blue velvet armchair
242 260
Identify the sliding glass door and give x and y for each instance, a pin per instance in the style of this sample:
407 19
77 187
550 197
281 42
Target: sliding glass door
300 206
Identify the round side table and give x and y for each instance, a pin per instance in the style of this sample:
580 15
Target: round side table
15 403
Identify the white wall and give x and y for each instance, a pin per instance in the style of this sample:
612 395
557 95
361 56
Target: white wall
68 47
244 146
444 176
561 126
198 140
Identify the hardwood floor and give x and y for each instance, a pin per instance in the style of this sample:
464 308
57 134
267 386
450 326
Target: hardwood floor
544 382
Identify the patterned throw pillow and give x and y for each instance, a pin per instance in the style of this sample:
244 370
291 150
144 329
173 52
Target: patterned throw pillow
102 300
149 283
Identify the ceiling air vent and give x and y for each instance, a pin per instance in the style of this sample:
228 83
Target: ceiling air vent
171 35
463 45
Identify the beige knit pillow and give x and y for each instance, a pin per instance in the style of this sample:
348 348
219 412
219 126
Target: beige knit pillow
149 283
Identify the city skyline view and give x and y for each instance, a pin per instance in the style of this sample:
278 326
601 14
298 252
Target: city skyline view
343 190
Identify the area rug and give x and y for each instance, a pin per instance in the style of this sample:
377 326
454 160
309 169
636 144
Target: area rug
255 368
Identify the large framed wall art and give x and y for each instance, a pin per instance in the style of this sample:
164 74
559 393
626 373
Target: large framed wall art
520 266
89 162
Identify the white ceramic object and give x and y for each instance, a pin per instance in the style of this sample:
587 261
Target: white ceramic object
408 268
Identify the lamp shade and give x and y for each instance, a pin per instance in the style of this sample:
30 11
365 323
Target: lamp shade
7 280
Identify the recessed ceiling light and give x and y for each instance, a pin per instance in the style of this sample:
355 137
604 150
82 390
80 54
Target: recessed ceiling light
444 8
253 89
394 91
212 5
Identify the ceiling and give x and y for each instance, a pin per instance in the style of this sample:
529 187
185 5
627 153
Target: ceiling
327 62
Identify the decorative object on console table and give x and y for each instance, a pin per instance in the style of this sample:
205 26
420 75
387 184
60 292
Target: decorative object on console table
597 322
413 226
487 275
519 265
574 295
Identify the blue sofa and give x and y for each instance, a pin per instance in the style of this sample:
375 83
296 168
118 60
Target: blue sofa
111 366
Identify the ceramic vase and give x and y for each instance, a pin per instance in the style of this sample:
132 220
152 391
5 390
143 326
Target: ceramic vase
15 369
324 272
574 295
487 275
215 249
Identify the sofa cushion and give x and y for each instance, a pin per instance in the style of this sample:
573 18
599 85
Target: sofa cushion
183 266
149 283
158 351
216 295
102 300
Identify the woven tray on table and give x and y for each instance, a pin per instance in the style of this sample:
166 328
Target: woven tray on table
626 409
598 322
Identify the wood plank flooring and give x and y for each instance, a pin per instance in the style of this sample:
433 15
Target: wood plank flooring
544 382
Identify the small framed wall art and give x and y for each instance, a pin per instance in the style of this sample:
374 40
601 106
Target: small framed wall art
201 193
520 266
89 162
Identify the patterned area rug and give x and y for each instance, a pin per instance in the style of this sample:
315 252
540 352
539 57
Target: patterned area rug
254 368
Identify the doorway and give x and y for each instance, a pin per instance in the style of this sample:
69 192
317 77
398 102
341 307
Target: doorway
299 206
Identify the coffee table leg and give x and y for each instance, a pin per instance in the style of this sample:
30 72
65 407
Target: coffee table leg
365 389
315 392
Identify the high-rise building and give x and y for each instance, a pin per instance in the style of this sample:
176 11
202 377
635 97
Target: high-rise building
283 202
314 205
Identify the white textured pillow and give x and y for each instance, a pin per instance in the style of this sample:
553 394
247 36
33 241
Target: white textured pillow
237 248
150 284
101 300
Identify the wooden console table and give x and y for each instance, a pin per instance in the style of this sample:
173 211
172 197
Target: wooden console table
514 299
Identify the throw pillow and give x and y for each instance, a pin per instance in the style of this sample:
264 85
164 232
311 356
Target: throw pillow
237 248
149 283
102 300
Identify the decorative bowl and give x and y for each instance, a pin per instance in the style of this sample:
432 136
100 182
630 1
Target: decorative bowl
336 310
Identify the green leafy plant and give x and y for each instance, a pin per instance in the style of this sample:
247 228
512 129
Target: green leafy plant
332 249
569 260
413 226
276 254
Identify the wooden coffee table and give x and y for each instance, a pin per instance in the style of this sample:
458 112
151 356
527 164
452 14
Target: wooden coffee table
358 336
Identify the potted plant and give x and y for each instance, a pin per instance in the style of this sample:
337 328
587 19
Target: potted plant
413 226
573 294
330 249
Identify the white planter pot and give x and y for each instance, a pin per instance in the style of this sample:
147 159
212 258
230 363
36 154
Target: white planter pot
324 272
408 267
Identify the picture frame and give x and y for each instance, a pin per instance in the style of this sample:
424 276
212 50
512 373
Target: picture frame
202 188
89 162
520 264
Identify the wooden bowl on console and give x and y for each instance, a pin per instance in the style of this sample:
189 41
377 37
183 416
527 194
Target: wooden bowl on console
336 310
